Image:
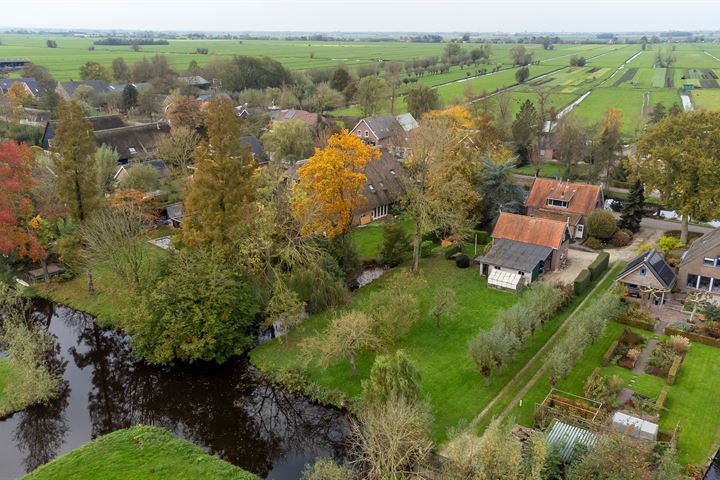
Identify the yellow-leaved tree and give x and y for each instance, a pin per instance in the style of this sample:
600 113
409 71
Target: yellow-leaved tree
330 187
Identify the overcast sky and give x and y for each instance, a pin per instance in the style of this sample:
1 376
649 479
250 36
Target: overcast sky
365 15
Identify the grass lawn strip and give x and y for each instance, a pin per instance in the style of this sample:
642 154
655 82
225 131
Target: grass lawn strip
514 390
137 453
6 375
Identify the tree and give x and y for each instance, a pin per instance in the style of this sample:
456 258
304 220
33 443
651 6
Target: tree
371 95
51 43
129 97
345 337
577 61
614 456
222 192
396 308
106 163
674 109
420 99
633 208
658 113
520 55
18 223
325 98
525 130
178 148
74 143
288 142
142 177
395 246
444 304
148 104
392 376
203 309
184 111
330 188
120 69
95 71
393 70
601 224
678 157
391 439
41 74
341 78
480 350
498 189
500 453
326 469
608 148
572 140
522 74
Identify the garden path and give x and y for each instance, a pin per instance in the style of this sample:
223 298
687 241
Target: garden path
642 360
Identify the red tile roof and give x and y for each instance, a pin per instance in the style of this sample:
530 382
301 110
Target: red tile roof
582 197
533 230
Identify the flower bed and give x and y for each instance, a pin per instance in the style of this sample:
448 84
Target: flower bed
630 344
662 359
642 407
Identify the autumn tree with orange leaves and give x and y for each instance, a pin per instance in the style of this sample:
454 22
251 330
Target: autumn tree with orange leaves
18 223
330 188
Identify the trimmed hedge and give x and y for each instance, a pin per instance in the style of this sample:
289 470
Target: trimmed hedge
426 248
483 237
609 354
662 398
650 327
695 337
599 265
452 250
582 282
672 374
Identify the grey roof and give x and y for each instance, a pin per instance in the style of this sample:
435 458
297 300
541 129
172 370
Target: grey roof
654 262
30 82
207 96
702 245
119 87
382 184
101 122
174 211
407 121
98 85
516 255
566 436
256 147
194 80
139 138
383 125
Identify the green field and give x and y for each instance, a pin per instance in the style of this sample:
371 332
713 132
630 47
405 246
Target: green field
139 452
706 99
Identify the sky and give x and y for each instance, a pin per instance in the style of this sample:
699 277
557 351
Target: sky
365 15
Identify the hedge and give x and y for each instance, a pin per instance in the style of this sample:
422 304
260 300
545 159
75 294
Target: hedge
452 250
662 398
582 282
695 337
609 354
599 265
426 248
672 374
650 327
483 237
462 261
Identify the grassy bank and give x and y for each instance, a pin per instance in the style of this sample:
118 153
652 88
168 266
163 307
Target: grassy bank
6 373
139 452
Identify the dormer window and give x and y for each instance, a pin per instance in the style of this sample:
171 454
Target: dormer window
132 150
372 189
382 186
554 202
392 172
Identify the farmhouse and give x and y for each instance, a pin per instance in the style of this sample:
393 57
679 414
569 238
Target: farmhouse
132 141
564 201
648 277
699 268
381 130
12 64
31 86
103 122
67 89
522 249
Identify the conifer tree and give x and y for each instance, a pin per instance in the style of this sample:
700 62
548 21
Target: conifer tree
633 208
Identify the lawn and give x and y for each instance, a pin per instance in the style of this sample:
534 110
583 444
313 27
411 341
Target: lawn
6 372
369 238
706 99
136 453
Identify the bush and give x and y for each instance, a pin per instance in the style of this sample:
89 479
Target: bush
633 354
483 237
426 248
594 243
667 244
582 282
396 244
601 224
452 250
599 265
638 317
462 261
674 369
621 238
679 343
609 354
662 397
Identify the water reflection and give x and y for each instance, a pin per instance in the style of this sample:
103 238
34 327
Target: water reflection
227 410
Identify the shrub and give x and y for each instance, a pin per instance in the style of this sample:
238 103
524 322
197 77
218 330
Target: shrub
582 282
637 316
594 243
462 261
667 244
609 354
633 354
662 397
621 238
599 265
396 244
426 248
679 343
672 374
452 250
601 224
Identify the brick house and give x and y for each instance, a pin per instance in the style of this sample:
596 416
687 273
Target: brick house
571 203
381 130
31 86
523 248
699 268
648 277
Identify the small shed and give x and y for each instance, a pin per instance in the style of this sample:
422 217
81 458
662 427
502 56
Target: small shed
635 427
566 437
648 276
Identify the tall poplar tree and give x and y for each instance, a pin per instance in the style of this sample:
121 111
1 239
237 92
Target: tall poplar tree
222 192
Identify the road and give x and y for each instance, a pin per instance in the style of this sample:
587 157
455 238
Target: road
659 224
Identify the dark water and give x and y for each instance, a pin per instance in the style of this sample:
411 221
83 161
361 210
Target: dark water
228 410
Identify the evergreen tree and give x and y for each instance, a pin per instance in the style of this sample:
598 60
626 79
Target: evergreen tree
525 130
395 246
74 144
633 208
129 97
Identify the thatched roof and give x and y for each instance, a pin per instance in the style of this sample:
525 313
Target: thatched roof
133 140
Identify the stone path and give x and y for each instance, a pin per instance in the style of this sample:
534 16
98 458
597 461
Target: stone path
642 360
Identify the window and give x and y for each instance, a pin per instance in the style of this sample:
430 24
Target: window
359 133
691 281
704 283
372 189
132 150
379 212
715 286
557 203
642 271
367 134
709 261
